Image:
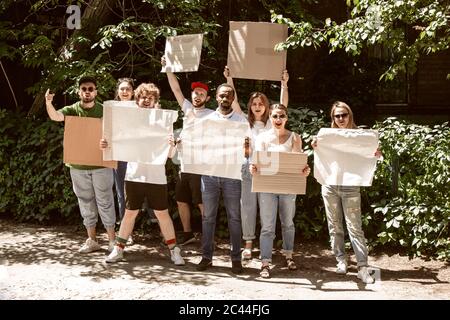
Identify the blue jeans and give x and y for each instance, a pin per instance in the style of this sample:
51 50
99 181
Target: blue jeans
270 204
249 204
119 181
231 189
345 201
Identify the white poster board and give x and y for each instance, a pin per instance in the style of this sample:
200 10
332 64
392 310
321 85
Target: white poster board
345 157
214 147
183 53
251 50
137 134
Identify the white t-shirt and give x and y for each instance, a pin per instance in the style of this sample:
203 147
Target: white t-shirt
258 128
146 173
191 113
267 138
232 116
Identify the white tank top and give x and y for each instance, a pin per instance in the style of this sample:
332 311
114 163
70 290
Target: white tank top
285 147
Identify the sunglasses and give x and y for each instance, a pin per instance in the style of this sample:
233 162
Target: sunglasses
281 116
339 116
90 89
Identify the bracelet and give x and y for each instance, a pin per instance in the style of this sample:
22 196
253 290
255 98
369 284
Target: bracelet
284 87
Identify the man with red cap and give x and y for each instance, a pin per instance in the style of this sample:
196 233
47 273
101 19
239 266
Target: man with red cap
187 190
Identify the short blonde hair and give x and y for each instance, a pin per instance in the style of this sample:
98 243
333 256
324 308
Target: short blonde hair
149 88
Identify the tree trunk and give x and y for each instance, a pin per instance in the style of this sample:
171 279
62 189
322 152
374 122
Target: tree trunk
93 17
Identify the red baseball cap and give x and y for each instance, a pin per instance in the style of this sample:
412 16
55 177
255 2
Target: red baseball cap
199 85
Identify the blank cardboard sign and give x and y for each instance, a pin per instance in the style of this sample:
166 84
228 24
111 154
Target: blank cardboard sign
279 172
183 53
81 142
251 53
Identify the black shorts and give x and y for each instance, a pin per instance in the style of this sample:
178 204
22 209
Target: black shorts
188 188
136 192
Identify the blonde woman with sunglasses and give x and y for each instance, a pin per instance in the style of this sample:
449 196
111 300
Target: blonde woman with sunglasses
345 202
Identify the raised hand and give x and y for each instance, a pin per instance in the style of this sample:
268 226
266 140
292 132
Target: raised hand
226 72
49 96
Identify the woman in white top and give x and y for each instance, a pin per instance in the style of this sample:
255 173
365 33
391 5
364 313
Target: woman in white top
258 117
145 181
277 139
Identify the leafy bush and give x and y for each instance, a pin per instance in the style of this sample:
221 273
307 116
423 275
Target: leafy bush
36 186
310 219
411 191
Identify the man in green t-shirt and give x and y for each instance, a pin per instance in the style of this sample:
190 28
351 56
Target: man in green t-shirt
92 185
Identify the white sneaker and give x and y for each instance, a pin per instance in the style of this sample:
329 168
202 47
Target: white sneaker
341 267
89 246
364 275
130 241
175 256
111 246
247 254
115 256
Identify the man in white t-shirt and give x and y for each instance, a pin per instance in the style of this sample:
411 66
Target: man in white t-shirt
187 190
213 186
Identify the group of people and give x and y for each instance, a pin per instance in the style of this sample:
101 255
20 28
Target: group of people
136 182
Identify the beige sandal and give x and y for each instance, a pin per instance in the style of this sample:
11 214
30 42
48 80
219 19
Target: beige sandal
265 272
291 264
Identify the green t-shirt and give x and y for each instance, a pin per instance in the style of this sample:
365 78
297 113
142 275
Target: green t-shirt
76 110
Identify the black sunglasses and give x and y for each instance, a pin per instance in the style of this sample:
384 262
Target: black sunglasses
90 89
339 116
276 116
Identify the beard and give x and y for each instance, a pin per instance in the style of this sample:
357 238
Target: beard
87 100
200 105
226 108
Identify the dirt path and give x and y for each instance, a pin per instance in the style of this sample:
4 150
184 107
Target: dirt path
42 263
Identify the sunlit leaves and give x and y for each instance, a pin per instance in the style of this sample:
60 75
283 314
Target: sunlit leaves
376 22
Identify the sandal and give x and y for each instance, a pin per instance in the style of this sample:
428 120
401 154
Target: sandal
265 272
291 264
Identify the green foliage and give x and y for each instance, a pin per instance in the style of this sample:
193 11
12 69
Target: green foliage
310 219
35 184
410 195
406 28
